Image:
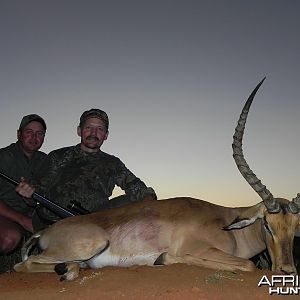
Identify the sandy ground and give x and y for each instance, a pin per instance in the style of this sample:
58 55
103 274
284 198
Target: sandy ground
164 282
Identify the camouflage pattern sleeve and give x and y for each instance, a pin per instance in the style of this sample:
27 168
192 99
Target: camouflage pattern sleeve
133 186
46 175
45 178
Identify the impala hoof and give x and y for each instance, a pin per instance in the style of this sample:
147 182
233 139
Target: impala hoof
61 268
67 271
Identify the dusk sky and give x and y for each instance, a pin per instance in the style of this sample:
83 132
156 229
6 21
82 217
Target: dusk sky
173 77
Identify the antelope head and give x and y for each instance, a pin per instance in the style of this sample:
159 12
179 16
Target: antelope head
280 217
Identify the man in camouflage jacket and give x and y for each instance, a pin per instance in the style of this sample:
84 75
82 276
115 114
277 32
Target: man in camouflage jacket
84 173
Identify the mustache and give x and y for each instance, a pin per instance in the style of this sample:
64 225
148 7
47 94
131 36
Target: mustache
33 141
92 138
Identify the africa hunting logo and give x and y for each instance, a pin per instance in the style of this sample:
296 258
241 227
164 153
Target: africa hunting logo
281 284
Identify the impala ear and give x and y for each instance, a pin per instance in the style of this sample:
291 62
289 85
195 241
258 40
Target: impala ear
248 217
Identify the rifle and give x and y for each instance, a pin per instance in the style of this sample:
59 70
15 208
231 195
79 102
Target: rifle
74 208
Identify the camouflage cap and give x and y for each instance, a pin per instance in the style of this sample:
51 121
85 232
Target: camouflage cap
94 113
30 118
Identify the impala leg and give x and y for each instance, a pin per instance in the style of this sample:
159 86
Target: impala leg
200 253
65 248
36 263
213 259
41 263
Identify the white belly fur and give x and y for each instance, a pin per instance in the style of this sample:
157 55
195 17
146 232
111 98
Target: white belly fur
107 259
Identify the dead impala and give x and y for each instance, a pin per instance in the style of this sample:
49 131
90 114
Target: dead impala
178 230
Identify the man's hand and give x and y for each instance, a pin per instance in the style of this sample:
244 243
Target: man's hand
15 216
24 189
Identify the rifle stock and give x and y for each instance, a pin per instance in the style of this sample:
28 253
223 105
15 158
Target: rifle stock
49 204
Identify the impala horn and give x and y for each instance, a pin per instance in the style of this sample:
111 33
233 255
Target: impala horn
294 205
268 199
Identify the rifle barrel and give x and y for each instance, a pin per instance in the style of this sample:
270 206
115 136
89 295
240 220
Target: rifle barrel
56 208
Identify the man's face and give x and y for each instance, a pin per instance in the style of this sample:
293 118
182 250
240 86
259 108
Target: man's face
93 133
31 137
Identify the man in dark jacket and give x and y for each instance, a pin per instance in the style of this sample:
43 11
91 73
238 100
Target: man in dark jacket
20 159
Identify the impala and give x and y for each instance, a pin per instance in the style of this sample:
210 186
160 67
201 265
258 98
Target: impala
177 230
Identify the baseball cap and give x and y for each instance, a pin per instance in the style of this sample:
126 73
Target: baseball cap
30 118
94 113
